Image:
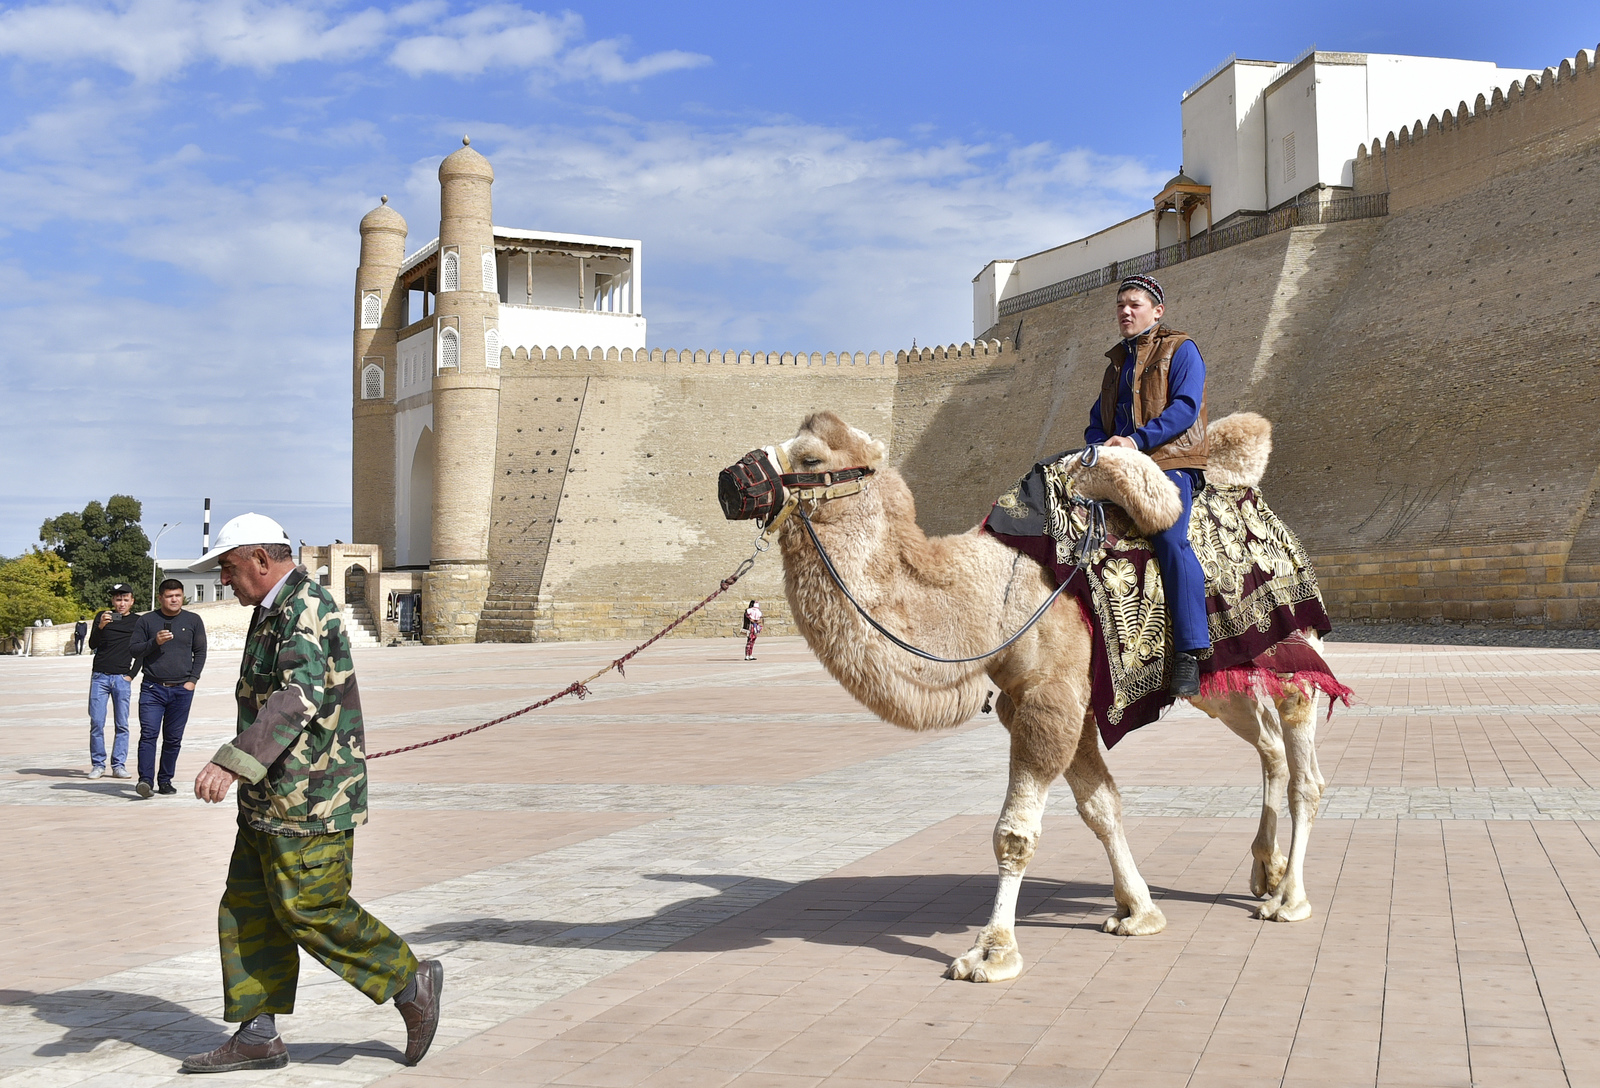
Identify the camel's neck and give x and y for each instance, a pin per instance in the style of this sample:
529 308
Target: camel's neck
885 559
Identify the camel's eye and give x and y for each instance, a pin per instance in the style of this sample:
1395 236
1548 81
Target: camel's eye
811 462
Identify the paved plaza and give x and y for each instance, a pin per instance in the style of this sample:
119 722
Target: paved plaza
717 873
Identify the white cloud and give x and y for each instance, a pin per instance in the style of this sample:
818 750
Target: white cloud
788 235
153 40
500 36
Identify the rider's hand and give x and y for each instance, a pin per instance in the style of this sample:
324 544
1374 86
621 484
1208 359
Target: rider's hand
1122 440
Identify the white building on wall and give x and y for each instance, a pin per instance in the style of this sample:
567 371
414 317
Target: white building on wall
1258 135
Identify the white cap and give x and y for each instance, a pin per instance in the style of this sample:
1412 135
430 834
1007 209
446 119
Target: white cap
242 530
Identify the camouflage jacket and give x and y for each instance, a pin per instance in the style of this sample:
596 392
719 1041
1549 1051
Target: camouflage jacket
300 751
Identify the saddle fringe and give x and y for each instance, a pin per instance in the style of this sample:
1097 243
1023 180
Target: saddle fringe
1255 680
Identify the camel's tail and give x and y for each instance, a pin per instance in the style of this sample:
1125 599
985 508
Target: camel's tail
1239 447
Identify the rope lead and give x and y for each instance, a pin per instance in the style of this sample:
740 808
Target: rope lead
580 688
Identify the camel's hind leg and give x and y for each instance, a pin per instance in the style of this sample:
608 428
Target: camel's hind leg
1100 805
1255 719
1298 713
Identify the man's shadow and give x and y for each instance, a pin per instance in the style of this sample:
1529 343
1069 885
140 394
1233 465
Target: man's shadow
92 1017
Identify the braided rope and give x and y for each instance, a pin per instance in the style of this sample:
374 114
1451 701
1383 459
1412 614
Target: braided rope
580 688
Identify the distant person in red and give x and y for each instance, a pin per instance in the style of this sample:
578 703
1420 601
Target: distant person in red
752 627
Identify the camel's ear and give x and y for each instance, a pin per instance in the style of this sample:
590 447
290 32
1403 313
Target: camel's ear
873 449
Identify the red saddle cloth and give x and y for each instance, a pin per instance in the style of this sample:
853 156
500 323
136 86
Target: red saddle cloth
1261 593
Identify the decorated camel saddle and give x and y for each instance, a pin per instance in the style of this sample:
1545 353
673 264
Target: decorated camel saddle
1087 519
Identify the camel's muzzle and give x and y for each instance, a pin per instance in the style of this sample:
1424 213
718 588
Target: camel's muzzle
750 489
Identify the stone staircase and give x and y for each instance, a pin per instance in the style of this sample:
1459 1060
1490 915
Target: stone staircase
508 615
359 622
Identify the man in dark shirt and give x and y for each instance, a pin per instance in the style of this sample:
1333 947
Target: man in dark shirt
173 645
112 677
80 631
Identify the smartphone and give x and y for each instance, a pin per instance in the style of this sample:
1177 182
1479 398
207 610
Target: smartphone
167 626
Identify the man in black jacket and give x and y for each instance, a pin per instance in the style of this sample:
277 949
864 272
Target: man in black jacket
172 643
112 678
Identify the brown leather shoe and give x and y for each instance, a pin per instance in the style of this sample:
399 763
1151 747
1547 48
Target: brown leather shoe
422 1012
236 1054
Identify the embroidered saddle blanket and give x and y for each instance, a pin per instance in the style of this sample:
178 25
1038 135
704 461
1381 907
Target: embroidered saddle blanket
1261 591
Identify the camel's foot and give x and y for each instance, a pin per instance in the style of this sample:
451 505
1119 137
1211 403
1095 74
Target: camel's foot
1281 908
1141 923
1266 876
994 958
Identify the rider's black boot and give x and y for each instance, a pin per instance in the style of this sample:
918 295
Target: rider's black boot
1185 679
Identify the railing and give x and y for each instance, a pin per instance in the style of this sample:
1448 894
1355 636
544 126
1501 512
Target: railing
1295 215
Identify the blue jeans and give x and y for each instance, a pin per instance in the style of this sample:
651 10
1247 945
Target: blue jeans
102 685
1181 576
163 712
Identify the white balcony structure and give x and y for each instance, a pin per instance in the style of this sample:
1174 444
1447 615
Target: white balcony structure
1258 135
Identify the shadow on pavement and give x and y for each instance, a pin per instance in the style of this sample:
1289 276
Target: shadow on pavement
887 913
92 1017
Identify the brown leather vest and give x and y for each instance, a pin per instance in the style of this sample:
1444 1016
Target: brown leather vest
1150 398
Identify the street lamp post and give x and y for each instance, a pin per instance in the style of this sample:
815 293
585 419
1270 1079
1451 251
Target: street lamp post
155 560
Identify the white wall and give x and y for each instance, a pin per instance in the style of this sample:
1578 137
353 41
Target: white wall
1291 110
544 326
1224 137
988 288
410 525
414 365
1126 239
1403 90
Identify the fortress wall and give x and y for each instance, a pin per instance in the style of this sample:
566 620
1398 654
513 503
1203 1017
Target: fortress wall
637 534
1462 362
1447 157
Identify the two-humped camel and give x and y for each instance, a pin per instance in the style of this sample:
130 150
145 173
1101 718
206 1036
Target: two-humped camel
950 595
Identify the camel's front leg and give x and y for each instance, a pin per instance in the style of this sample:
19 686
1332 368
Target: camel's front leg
1100 805
995 957
1298 713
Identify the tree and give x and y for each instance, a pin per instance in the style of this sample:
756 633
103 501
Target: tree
36 586
105 545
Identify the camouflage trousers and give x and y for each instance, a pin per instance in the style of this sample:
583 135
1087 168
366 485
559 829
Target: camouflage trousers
285 893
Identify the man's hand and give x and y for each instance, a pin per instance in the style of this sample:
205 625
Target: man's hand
106 617
189 686
163 637
1122 440
213 782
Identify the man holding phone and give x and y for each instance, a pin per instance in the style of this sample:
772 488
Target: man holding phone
173 644
111 680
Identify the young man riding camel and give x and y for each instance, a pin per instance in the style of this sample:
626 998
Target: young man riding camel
1153 399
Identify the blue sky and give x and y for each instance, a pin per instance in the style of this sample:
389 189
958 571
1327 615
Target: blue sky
180 185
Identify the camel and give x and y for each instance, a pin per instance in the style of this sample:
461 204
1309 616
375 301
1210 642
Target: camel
962 595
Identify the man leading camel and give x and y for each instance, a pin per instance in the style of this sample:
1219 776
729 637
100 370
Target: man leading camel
1153 399
299 762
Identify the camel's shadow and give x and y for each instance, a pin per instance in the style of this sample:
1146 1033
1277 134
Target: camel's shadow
892 914
93 1017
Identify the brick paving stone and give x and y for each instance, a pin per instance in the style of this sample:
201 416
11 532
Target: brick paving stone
708 875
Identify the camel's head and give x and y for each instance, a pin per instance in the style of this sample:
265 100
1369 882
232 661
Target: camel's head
826 457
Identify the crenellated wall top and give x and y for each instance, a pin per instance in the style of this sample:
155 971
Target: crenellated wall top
981 349
1459 140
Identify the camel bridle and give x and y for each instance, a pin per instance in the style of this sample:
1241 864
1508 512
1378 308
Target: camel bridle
752 488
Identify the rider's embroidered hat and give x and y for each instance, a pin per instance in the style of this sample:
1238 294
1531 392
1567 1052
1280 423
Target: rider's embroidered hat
1144 283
